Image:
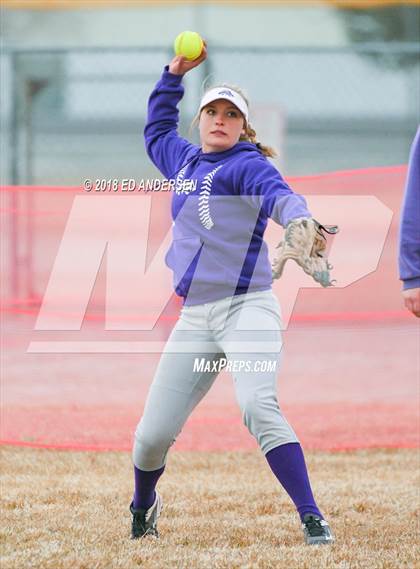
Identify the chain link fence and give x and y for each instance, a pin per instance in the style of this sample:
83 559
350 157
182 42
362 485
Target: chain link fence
71 114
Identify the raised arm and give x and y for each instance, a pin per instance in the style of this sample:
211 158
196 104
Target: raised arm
167 150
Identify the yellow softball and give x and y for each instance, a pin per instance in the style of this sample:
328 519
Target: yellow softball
189 45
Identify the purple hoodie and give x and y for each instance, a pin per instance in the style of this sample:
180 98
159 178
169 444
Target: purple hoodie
409 253
220 206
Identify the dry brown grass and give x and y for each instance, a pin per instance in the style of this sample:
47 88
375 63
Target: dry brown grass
222 510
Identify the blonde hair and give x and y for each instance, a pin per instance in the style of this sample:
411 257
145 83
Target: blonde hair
250 134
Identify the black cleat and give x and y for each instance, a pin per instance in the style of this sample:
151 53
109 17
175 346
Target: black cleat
145 521
316 530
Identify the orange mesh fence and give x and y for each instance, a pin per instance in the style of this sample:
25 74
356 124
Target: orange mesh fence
351 364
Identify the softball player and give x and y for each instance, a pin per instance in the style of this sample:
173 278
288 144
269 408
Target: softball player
409 245
224 194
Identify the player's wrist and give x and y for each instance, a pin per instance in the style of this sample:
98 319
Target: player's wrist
174 71
171 76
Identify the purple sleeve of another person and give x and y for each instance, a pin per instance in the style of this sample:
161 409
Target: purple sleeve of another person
409 242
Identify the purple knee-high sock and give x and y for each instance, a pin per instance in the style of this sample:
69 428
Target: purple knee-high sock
145 484
288 464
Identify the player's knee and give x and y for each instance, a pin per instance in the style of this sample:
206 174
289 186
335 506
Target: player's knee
256 408
259 411
264 420
150 439
150 447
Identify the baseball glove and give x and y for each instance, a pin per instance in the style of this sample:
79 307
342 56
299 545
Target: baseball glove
305 242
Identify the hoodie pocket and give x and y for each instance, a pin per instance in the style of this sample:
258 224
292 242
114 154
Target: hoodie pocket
182 258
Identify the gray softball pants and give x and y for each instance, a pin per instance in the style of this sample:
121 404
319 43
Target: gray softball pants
243 329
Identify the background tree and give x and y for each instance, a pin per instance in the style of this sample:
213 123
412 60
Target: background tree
389 24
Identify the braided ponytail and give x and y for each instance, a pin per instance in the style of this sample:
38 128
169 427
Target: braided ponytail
251 136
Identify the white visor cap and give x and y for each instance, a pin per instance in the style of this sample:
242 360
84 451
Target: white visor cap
228 95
